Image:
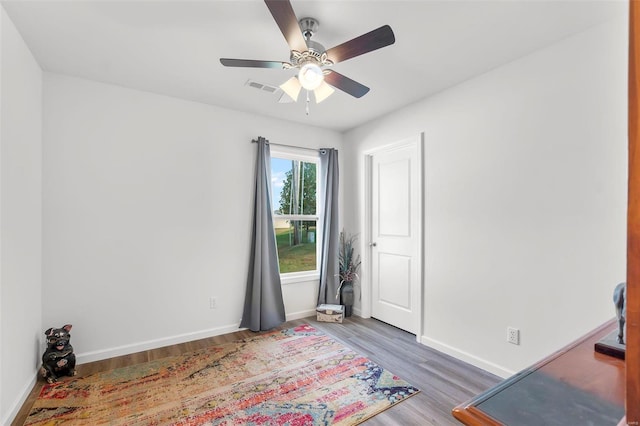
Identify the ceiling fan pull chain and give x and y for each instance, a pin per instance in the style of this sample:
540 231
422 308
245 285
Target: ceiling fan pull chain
307 102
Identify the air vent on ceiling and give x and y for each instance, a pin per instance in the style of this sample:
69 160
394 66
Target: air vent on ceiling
282 99
261 86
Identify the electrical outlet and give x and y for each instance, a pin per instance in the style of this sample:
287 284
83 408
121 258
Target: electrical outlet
513 335
213 303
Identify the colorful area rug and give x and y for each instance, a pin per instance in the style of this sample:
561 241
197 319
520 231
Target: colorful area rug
298 376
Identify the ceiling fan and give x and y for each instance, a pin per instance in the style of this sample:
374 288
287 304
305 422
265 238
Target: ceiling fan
311 58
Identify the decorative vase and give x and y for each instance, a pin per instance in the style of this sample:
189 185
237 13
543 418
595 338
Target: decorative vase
346 297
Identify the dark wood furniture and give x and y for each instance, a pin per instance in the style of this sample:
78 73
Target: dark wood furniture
575 385
633 224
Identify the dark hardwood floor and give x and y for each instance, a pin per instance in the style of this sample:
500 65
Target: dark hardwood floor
444 381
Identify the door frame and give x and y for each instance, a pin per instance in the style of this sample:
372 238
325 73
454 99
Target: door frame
366 288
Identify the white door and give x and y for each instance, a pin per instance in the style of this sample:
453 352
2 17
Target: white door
395 235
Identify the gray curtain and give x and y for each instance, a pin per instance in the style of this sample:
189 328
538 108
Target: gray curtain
329 279
263 304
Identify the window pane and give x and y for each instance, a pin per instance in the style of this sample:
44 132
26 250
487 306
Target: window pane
296 240
293 185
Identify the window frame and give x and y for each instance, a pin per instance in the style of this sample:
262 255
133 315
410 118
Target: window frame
307 156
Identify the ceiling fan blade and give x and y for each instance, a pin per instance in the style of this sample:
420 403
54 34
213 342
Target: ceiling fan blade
285 17
251 63
368 42
345 84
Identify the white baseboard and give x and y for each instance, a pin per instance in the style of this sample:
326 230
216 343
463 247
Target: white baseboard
458 354
301 314
83 358
467 357
17 405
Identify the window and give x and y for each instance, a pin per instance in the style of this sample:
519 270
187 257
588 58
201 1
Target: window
294 179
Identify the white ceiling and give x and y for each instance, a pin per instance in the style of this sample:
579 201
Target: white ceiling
173 47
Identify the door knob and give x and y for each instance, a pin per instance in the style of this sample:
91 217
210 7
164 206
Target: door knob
372 244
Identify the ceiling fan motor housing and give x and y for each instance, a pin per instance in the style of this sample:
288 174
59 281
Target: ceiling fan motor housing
315 52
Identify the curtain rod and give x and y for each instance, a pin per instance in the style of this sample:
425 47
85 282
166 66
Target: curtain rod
322 151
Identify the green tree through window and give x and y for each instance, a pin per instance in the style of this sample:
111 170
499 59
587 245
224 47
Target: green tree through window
295 215
307 202
298 196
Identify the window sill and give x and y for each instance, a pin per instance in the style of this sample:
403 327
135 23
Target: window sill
295 278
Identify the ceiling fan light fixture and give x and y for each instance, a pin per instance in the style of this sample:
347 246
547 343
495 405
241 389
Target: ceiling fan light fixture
292 88
310 57
310 76
323 91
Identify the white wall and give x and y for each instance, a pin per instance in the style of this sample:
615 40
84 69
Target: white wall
20 218
525 199
147 214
